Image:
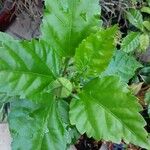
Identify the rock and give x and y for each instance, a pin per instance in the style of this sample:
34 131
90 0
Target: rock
104 147
27 25
72 147
5 138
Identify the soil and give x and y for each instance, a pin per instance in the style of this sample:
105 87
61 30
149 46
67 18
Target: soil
26 25
85 143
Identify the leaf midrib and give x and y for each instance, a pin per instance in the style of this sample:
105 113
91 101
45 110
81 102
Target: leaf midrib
41 60
109 111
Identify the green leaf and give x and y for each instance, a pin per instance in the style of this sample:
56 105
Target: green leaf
145 10
27 67
61 87
131 42
145 74
148 1
67 22
147 25
105 106
36 126
63 109
144 42
135 18
95 52
123 66
4 38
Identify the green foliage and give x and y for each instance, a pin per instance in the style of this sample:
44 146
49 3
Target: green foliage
37 126
122 65
135 18
147 25
66 23
145 74
94 53
96 101
131 42
70 65
145 10
139 40
27 67
144 42
62 87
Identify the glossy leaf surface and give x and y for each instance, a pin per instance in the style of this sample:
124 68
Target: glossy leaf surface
27 67
67 22
145 10
95 52
44 82
105 105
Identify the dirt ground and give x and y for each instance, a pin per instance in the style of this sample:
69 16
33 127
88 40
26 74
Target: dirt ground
25 27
